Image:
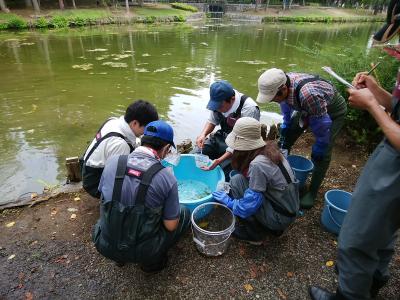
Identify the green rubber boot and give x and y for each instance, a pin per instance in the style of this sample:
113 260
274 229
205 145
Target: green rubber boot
318 175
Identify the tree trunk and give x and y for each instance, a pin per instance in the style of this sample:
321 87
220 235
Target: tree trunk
61 2
3 6
36 6
73 4
127 6
28 3
140 2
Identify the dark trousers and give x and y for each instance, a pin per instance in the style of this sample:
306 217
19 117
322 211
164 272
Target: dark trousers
171 239
367 237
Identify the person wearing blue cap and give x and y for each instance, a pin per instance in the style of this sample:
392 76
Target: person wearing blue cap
368 234
227 105
140 216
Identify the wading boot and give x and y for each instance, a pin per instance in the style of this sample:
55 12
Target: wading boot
320 168
376 286
243 233
307 201
317 293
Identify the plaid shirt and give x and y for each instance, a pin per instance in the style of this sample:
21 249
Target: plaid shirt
314 96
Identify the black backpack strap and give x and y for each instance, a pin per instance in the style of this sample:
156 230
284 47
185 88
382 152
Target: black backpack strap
238 112
145 182
119 177
304 82
395 112
108 135
285 172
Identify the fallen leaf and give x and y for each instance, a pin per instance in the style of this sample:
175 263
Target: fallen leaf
53 211
33 196
253 271
281 294
11 256
73 216
28 296
353 166
289 274
248 287
77 198
335 243
203 224
11 224
329 263
72 209
242 250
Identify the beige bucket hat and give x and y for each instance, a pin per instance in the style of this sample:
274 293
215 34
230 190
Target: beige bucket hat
246 135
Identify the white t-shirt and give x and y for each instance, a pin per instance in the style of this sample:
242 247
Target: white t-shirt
112 145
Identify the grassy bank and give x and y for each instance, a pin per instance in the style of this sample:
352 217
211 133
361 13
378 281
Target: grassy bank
318 14
83 17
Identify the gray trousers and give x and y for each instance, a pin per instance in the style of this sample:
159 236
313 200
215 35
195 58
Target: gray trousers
367 237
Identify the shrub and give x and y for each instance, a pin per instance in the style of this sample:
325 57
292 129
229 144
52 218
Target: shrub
41 23
17 23
3 25
359 123
149 19
79 21
179 19
59 22
184 6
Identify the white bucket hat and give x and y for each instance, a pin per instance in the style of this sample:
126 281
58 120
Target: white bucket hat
246 135
269 83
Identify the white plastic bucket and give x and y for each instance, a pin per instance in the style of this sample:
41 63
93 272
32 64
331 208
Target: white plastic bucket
212 226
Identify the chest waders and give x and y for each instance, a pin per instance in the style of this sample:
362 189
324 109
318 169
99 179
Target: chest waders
368 234
337 109
130 233
280 207
90 175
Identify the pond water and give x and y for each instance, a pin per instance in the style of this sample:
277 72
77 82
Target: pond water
190 190
57 87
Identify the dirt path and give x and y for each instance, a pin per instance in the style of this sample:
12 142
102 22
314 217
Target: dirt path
54 257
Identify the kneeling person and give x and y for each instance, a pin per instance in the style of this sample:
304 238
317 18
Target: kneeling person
265 194
140 217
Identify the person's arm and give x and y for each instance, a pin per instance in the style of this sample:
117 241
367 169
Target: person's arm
171 209
171 225
365 99
208 128
362 80
244 207
321 127
218 161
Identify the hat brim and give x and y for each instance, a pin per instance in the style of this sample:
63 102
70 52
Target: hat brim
243 144
265 98
213 105
387 32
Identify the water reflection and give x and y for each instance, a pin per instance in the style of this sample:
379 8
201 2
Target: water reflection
58 86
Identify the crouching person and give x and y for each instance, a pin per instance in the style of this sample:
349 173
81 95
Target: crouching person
265 194
140 217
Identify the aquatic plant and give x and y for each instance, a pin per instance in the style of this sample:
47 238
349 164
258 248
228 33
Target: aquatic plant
17 23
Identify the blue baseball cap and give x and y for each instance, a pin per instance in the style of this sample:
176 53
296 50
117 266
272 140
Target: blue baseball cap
161 130
219 91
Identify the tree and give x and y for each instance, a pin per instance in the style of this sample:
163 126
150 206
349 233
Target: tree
3 6
28 3
127 6
61 3
36 6
73 4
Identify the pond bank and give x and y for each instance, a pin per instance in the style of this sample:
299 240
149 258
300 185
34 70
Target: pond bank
46 252
161 13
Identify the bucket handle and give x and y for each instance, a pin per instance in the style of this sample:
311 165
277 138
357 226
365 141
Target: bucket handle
333 219
202 245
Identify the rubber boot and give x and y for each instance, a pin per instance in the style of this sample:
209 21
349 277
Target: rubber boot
318 175
317 293
376 286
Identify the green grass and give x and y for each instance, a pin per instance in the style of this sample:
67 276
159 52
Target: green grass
159 12
82 13
6 17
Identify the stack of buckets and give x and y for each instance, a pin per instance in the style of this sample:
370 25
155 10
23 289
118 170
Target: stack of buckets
336 201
